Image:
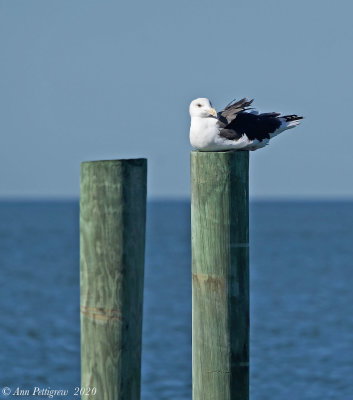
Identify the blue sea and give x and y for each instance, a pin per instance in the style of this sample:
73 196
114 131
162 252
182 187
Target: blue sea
301 300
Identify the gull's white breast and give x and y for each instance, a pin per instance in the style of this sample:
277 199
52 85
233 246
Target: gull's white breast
204 133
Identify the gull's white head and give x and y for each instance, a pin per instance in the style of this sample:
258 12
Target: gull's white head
202 108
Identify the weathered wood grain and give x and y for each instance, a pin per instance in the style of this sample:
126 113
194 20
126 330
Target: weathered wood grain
112 249
220 275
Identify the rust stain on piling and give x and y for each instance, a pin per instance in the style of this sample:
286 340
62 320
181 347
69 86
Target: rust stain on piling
210 282
101 314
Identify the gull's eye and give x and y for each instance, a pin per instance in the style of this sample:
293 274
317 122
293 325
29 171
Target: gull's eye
199 105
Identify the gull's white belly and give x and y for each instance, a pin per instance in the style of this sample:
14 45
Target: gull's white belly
204 133
204 136
203 140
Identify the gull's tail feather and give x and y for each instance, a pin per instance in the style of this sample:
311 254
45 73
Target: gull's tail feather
291 121
292 117
287 122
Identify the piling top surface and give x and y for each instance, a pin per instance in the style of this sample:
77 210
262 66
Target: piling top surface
132 161
207 152
195 153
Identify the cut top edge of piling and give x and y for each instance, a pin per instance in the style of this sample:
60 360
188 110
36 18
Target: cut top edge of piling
226 152
221 151
133 161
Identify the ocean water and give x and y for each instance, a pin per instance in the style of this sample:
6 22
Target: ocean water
301 300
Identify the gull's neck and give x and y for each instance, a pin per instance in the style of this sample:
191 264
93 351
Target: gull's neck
203 123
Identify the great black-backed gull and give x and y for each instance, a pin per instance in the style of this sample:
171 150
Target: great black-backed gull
237 127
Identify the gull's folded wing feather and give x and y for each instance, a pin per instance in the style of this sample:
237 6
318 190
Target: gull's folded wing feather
231 110
253 126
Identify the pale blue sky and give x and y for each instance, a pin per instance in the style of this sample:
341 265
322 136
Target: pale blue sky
85 80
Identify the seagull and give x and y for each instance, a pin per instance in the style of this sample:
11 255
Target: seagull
237 127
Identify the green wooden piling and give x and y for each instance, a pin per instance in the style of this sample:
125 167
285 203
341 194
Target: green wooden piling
112 241
220 275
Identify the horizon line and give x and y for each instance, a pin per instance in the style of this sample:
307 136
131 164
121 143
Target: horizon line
280 198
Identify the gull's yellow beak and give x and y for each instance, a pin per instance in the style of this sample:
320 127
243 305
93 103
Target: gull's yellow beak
212 111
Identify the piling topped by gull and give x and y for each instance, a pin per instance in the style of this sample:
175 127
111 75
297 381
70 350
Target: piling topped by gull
237 127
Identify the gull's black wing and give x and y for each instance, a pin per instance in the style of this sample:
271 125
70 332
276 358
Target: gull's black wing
254 126
235 121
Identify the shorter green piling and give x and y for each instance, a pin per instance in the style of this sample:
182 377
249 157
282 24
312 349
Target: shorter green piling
112 248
